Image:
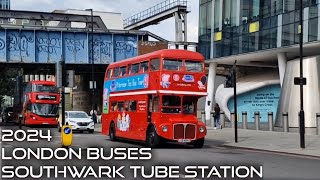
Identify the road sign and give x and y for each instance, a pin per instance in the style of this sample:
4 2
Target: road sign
66 135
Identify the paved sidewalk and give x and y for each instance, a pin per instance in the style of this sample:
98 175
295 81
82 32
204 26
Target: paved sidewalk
266 140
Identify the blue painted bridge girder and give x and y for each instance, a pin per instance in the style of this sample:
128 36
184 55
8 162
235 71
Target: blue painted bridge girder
50 46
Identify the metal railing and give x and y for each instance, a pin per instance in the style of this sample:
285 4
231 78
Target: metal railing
157 9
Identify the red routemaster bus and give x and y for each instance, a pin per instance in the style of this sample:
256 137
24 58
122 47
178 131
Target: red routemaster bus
39 104
153 98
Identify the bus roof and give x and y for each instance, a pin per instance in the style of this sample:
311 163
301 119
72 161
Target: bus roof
168 53
43 82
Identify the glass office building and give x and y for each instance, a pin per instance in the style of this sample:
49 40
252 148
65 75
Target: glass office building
232 27
4 4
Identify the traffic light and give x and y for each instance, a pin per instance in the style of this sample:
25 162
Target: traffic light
70 78
64 79
229 81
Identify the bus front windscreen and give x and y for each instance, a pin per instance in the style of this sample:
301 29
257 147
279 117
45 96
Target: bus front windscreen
172 65
45 109
192 66
171 104
45 88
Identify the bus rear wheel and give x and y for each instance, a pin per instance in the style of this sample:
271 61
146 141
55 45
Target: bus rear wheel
153 140
112 132
198 143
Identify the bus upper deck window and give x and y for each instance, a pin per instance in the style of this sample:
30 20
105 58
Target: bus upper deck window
154 64
123 71
134 68
109 73
116 72
144 67
172 65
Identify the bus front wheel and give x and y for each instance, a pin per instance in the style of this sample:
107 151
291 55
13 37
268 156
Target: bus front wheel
112 132
198 143
153 140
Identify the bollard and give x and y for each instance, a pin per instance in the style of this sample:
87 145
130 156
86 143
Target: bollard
222 119
244 120
232 117
203 117
257 120
212 119
318 123
285 122
270 121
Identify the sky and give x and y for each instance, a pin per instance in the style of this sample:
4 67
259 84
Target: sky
166 28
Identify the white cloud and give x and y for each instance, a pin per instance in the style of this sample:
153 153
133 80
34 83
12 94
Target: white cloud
165 29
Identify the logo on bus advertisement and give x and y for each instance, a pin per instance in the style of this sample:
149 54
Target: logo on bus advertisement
188 78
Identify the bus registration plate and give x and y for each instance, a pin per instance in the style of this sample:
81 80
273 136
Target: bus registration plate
184 140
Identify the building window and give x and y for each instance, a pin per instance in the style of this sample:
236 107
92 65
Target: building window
264 42
313 29
313 12
235 45
288 35
288 5
203 19
217 18
273 37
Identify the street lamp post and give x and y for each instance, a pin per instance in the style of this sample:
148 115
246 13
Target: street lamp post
92 62
301 114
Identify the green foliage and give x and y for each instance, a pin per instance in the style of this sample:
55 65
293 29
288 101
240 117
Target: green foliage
7 82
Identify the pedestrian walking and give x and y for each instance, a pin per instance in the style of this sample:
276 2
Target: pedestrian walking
217 116
93 114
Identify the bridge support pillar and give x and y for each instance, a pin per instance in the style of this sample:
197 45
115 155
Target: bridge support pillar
210 89
181 26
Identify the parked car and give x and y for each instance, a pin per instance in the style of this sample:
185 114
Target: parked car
6 114
79 120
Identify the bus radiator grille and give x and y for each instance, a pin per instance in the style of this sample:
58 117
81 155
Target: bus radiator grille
184 131
190 131
178 131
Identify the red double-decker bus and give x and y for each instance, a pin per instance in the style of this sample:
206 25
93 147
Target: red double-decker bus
39 104
153 98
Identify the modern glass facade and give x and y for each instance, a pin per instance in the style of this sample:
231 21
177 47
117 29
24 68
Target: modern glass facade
4 4
231 27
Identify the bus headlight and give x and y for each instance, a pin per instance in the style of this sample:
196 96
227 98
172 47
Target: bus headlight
201 129
164 128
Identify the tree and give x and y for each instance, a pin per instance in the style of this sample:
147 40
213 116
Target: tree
7 83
